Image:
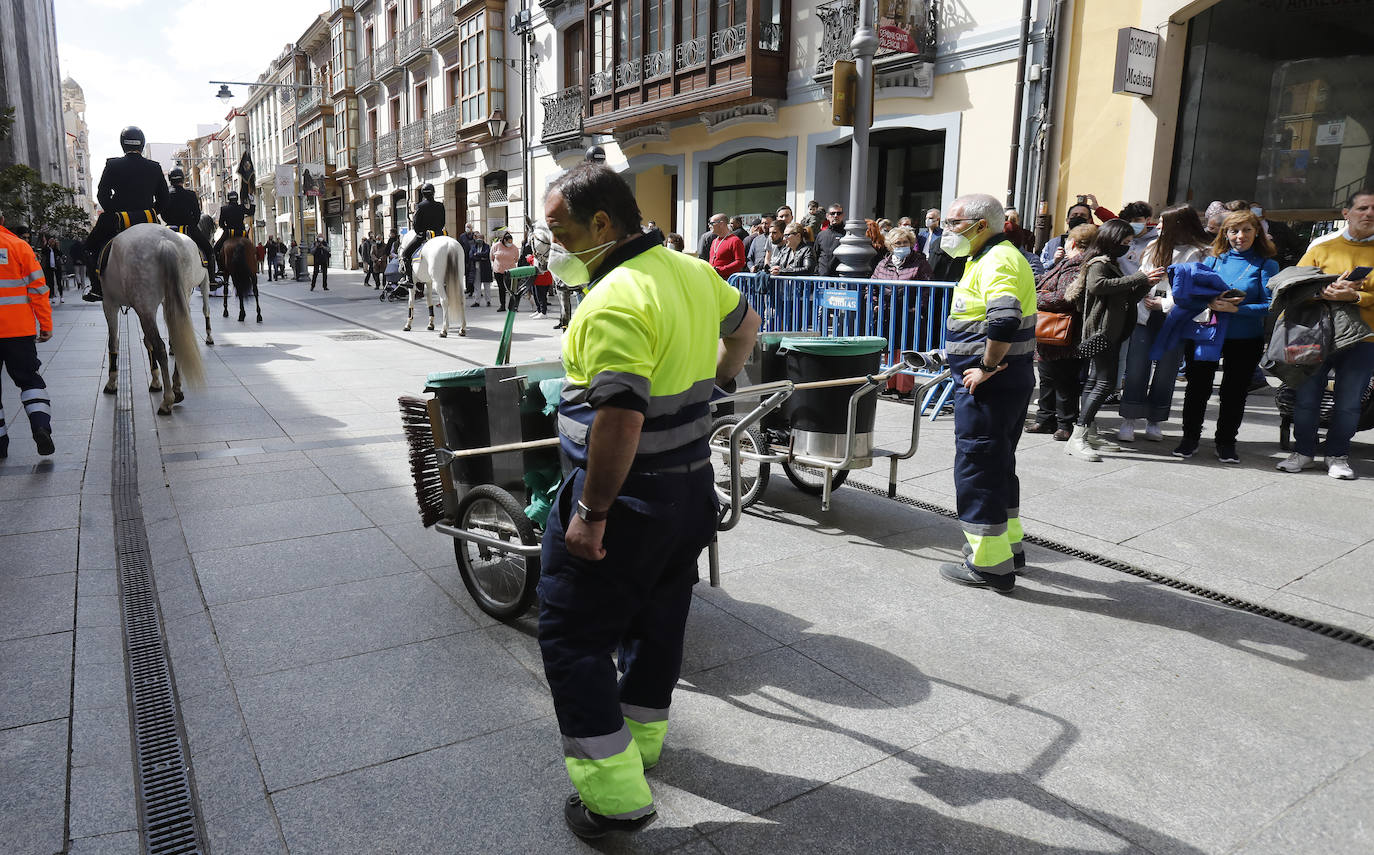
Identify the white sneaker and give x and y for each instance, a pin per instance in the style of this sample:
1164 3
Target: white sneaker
1339 468
1126 433
539 316
1295 462
1153 432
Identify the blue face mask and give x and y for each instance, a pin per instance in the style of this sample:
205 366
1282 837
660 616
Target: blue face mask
900 253
1138 228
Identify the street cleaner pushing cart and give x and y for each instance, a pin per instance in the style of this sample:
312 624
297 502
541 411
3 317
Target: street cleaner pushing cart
656 331
990 342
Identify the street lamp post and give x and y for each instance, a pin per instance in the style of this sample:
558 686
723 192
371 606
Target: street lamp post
855 252
226 95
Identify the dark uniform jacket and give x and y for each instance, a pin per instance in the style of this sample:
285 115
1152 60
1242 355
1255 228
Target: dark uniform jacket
132 183
430 217
231 216
182 208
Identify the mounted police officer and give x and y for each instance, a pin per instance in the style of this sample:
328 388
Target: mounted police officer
429 220
231 218
181 211
131 190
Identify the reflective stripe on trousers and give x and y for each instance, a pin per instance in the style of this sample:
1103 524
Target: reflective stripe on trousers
987 428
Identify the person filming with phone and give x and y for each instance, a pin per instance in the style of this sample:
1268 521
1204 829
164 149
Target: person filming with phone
1350 256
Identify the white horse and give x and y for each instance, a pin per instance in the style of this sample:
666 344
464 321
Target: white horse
440 260
150 265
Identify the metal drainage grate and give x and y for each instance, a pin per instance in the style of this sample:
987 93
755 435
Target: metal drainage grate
354 335
1337 633
168 809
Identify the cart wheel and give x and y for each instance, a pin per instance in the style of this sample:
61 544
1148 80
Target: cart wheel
502 583
753 475
808 478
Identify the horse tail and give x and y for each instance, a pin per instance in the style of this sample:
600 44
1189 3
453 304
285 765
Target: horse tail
239 268
454 274
176 306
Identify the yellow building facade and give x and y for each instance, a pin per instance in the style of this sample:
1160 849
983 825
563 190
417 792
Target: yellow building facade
1261 100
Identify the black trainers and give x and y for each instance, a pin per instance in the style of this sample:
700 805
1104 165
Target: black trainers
964 575
93 295
1226 452
43 439
1187 448
589 826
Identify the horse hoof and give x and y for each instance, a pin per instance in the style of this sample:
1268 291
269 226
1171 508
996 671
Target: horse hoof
462 332
226 313
259 318
178 397
110 389
242 315
430 327
164 410
209 342
443 335
154 388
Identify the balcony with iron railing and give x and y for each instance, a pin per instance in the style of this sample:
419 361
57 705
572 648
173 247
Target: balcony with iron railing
562 114
308 103
366 156
386 149
839 20
443 128
363 73
413 139
413 42
738 62
384 60
443 24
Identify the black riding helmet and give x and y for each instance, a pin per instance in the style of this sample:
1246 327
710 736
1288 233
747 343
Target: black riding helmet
233 197
176 176
427 191
131 139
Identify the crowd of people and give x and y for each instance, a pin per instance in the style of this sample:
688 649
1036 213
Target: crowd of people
1139 309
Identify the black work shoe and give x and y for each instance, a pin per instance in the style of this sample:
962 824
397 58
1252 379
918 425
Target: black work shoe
965 575
43 439
1226 452
1187 448
589 826
93 295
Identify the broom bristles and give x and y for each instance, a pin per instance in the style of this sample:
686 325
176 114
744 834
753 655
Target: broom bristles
424 460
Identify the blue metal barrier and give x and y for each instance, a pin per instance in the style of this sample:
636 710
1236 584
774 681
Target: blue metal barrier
910 315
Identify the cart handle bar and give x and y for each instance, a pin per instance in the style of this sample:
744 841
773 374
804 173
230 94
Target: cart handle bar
448 455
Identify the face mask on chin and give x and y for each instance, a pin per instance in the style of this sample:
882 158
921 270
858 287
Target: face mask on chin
569 267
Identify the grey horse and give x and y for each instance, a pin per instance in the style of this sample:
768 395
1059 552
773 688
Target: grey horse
150 265
439 262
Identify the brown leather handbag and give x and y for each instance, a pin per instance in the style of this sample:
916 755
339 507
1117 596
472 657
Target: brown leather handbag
1054 328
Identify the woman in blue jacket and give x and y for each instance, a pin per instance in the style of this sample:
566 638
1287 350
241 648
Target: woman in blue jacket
1244 259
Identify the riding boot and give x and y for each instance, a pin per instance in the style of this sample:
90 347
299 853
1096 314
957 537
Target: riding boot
95 295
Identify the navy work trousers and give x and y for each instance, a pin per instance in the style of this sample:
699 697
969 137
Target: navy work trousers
19 356
633 603
987 428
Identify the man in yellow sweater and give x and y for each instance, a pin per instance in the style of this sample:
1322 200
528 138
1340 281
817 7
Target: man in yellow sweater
1343 255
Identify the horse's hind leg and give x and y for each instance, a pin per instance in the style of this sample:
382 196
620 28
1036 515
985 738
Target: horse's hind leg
157 357
177 397
111 318
243 313
257 305
155 384
226 295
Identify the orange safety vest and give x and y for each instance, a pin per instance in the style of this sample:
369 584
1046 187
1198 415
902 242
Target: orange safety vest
23 290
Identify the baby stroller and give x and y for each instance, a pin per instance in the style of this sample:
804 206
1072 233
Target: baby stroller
1285 397
393 288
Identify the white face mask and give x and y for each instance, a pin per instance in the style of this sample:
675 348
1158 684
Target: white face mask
1258 212
956 244
900 253
569 266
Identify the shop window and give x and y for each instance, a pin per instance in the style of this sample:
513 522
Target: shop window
752 182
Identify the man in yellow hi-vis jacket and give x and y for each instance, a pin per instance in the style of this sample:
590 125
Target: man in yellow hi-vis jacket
990 342
638 504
